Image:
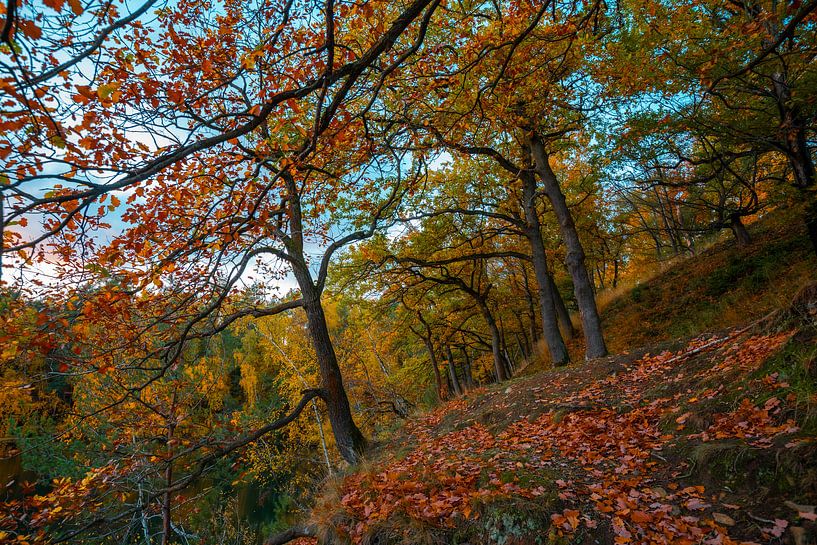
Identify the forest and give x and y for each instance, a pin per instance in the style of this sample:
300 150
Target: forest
408 272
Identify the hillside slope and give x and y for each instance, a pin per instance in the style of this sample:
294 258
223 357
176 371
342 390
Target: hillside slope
722 286
708 438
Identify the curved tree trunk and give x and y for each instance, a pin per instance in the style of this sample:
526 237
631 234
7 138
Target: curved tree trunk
348 438
739 230
550 326
582 285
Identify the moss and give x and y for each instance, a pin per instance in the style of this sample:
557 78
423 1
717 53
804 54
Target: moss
511 521
756 473
795 366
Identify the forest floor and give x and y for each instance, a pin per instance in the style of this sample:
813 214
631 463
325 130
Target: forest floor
705 438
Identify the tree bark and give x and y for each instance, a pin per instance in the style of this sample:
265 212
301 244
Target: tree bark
582 285
509 366
452 372
531 307
533 232
496 340
435 366
739 230
469 375
615 273
348 438
562 313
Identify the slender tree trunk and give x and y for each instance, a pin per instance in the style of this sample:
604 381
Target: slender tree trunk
583 287
435 366
496 338
531 307
452 372
469 375
383 367
522 349
533 232
615 273
349 439
565 323
504 345
739 230
522 336
496 344
167 526
509 366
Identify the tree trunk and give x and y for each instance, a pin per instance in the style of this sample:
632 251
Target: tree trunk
509 366
452 372
615 273
168 498
469 375
811 222
739 230
797 150
583 287
522 336
562 313
531 308
436 368
496 340
550 326
348 438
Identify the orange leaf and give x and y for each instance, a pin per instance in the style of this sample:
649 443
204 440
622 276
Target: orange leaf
56 5
640 517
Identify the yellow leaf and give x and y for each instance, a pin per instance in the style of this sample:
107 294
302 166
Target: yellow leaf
105 90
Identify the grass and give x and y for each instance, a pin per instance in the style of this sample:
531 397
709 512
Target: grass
721 287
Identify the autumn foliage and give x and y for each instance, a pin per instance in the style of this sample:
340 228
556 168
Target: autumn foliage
254 250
